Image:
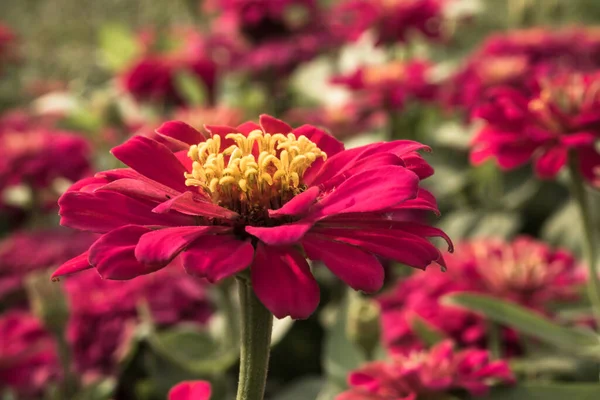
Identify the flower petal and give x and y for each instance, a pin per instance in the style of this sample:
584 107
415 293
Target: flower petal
181 132
281 235
76 264
359 269
113 254
282 280
161 246
273 125
190 203
297 205
217 257
190 390
153 160
550 162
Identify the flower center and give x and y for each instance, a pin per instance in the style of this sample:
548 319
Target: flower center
258 172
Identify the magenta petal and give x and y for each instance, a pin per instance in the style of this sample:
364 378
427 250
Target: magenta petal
153 160
193 204
281 235
248 127
113 254
282 280
217 257
297 205
152 191
181 132
76 264
394 184
273 125
549 163
161 246
190 390
359 269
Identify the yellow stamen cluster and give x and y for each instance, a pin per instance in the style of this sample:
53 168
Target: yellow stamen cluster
237 175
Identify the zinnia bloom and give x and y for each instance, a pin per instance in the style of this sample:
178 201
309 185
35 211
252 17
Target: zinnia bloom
104 313
26 251
394 20
152 76
257 196
427 374
28 359
190 390
557 116
390 86
525 271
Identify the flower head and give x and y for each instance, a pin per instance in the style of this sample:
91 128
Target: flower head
190 390
255 196
152 76
104 313
26 251
556 116
28 358
524 271
427 374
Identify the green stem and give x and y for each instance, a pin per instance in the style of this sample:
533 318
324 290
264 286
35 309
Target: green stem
495 339
580 196
69 383
257 325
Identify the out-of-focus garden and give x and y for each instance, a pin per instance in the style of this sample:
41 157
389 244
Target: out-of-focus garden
457 260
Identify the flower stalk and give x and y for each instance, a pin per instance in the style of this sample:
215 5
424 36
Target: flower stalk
589 235
257 325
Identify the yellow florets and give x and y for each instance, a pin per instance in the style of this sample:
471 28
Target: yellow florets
236 174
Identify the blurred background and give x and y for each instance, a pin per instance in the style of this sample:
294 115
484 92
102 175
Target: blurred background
80 77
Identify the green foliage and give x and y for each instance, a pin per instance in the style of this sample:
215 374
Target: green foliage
190 88
549 391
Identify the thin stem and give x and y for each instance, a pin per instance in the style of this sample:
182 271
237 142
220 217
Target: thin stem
69 383
580 196
495 339
257 325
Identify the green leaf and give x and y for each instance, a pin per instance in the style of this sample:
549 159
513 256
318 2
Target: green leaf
582 342
428 334
118 46
304 389
193 350
553 391
190 87
101 390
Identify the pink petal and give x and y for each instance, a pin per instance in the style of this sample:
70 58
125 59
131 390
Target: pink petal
103 211
281 235
297 205
282 280
273 125
330 145
140 189
190 203
181 132
589 163
161 246
190 390
248 127
217 257
153 160
359 269
76 264
113 254
549 163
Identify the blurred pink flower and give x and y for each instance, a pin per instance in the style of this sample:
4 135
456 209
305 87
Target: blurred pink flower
558 115
178 203
393 20
152 76
525 271
512 58
390 86
190 390
23 252
27 355
104 313
427 374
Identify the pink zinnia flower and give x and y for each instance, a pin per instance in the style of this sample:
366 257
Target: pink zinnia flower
557 116
257 197
26 251
152 76
37 156
427 374
390 86
104 313
393 20
190 390
525 271
28 359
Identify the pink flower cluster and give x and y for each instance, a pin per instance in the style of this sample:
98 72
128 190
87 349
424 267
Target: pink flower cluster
191 390
427 374
525 271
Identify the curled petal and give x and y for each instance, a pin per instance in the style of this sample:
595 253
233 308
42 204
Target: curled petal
74 265
217 257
